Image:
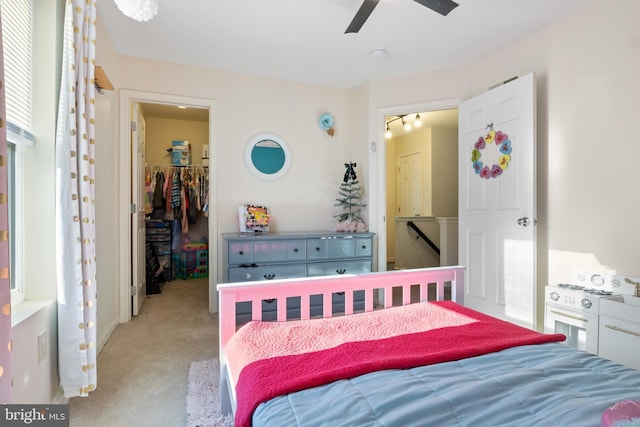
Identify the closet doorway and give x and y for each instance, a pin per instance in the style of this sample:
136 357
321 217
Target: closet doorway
160 113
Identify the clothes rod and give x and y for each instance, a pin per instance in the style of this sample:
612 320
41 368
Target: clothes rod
169 165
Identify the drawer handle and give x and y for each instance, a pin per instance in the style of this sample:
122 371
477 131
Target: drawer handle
248 265
364 246
240 252
269 301
317 249
341 270
296 250
626 331
269 276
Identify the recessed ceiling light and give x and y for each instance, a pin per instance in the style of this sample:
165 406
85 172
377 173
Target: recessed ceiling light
379 53
183 107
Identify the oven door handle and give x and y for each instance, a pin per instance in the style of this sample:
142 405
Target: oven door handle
626 331
559 313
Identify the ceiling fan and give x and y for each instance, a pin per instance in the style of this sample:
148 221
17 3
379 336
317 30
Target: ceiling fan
443 7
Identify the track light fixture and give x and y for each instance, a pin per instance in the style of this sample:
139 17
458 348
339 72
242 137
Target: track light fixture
417 122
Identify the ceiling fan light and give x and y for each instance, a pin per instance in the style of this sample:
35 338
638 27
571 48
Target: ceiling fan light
388 133
378 53
418 121
140 10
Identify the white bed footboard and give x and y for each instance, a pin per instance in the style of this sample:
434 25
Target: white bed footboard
437 283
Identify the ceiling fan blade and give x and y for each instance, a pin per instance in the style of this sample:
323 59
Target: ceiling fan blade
361 16
443 7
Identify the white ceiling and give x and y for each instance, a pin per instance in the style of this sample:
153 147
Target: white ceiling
304 40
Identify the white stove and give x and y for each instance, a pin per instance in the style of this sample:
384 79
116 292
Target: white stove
577 297
573 308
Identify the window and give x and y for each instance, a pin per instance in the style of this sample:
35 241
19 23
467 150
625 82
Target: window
17 36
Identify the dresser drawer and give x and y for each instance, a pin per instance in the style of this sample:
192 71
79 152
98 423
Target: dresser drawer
331 247
339 267
245 253
262 256
364 247
296 250
341 247
268 251
266 272
239 253
278 250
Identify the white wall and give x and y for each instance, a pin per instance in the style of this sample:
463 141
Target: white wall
588 122
35 380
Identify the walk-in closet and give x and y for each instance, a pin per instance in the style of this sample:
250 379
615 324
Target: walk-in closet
176 186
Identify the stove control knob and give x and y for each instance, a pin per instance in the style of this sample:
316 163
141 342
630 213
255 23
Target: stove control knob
554 296
586 303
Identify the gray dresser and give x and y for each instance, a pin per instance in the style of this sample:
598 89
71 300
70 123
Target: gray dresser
271 256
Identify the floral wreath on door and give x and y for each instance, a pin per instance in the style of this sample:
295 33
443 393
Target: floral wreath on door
502 142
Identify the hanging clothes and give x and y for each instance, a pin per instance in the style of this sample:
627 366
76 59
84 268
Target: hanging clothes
182 192
158 196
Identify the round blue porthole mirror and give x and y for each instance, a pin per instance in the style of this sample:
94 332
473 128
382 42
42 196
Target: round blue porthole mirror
267 156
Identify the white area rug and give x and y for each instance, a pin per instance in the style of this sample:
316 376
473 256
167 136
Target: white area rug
203 396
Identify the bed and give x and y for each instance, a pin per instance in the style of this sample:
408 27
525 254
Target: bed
413 356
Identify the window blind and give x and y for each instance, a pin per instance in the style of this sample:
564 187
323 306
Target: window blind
18 47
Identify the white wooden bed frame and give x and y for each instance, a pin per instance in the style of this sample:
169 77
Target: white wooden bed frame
378 289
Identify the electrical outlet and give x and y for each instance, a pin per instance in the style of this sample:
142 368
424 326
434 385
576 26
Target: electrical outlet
43 346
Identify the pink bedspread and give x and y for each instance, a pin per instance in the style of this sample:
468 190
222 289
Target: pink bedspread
269 359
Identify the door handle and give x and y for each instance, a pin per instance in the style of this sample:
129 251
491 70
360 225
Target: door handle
524 221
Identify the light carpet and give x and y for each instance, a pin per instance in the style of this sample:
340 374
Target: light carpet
203 396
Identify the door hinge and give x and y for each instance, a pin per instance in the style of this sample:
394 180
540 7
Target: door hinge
134 290
133 208
133 126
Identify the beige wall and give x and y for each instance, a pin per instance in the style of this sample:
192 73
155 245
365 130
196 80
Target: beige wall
107 197
249 105
161 132
301 200
444 172
439 148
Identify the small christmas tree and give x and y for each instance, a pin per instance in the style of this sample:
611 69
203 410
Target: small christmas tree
350 200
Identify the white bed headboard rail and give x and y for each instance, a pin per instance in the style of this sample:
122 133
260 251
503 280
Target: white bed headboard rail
256 292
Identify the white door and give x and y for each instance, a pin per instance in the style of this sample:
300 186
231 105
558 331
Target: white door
497 201
409 185
138 259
